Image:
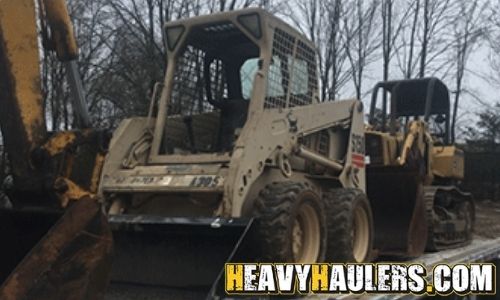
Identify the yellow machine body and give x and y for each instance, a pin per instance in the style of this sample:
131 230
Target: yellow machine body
53 203
448 162
410 130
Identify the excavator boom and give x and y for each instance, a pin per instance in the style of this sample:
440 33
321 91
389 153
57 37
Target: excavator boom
21 116
56 242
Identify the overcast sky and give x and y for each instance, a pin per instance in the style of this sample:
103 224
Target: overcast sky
479 91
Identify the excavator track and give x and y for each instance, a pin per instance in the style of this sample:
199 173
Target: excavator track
450 215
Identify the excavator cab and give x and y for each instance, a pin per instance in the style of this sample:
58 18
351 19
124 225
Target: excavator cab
426 99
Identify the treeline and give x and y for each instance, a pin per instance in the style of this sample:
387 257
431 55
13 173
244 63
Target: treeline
358 42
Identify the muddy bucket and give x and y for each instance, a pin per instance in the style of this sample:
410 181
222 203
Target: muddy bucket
187 253
50 255
397 200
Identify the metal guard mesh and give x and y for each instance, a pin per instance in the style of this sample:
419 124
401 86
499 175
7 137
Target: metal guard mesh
292 75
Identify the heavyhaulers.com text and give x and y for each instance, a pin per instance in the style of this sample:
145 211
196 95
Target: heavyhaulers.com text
381 278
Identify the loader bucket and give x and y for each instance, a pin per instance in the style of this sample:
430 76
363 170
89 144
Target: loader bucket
186 253
69 260
397 200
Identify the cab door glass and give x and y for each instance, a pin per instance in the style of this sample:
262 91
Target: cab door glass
247 75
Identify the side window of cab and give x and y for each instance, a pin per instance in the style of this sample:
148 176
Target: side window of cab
247 75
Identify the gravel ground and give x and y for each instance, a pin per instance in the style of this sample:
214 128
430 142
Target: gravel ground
487 219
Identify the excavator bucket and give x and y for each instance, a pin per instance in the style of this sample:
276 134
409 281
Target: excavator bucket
399 212
48 256
183 253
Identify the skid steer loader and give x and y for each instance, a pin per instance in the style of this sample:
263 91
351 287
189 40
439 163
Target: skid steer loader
411 154
238 160
237 150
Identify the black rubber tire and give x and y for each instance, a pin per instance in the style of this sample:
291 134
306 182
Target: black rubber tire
277 208
341 204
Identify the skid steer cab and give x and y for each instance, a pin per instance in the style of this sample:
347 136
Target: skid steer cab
237 150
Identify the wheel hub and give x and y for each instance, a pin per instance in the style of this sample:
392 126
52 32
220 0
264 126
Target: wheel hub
360 233
306 235
298 236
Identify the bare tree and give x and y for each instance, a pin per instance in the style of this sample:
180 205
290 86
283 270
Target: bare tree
410 66
406 42
468 28
487 129
437 21
361 39
387 41
123 51
426 34
494 41
88 18
423 44
322 22
55 92
334 75
393 25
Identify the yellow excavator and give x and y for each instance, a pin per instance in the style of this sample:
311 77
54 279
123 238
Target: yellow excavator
53 213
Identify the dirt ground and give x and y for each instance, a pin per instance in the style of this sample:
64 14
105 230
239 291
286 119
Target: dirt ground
487 219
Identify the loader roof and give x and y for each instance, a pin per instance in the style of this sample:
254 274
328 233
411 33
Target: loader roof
411 95
266 20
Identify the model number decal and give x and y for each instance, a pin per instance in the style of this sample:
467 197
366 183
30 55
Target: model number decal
358 143
205 181
194 181
148 180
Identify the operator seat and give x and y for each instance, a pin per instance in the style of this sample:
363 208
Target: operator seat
233 115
